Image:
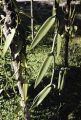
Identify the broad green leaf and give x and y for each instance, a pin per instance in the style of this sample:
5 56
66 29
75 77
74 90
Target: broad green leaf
8 41
25 89
41 96
59 43
43 31
44 68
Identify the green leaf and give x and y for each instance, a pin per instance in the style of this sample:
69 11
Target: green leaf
25 89
41 96
43 31
44 68
59 43
8 41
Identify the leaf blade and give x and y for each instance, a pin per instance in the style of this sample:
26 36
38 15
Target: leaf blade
8 41
44 68
41 96
43 31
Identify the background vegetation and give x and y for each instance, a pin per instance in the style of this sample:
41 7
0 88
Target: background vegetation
71 98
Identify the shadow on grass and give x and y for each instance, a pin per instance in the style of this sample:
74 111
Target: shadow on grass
66 106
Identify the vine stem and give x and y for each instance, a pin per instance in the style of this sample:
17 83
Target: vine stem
53 70
53 46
